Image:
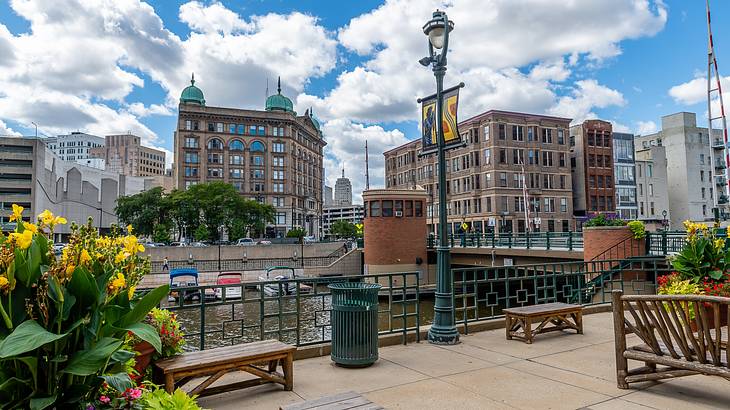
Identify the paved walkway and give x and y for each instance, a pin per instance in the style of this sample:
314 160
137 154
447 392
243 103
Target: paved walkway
485 371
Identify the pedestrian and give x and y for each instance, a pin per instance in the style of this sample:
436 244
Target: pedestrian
165 264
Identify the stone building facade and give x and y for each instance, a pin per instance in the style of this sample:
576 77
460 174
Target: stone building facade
512 174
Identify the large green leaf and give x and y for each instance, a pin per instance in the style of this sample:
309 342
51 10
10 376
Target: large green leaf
40 403
147 333
28 336
21 268
34 261
143 306
119 381
88 362
84 288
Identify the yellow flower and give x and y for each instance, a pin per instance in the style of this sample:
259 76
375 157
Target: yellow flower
23 240
85 257
31 227
131 246
140 248
59 220
17 213
719 244
46 217
70 270
117 283
130 292
4 283
65 253
120 257
129 229
103 242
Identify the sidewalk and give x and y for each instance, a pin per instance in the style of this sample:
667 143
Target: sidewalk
485 371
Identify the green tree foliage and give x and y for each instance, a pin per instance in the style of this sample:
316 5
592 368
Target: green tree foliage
296 233
203 211
161 233
343 229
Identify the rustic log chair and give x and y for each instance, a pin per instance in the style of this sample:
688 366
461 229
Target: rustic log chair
685 334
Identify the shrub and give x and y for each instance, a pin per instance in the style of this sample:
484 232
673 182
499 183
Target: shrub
637 229
296 233
603 220
65 319
703 257
167 327
162 400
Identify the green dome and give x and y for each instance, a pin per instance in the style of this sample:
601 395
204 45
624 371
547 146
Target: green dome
278 102
314 119
192 94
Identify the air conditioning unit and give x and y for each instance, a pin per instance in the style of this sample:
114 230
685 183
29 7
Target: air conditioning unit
399 214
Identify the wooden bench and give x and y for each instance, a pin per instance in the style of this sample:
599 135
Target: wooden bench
214 363
681 333
348 400
552 317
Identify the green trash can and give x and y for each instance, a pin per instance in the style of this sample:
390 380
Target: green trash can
354 321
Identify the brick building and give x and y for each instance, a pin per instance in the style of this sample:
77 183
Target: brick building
273 156
124 154
592 168
506 155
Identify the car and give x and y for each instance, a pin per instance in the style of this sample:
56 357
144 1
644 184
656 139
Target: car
264 242
198 245
245 242
309 239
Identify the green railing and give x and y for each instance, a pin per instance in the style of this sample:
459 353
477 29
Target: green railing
667 242
523 240
482 293
293 311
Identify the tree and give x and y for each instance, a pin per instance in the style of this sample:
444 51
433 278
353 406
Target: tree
296 233
161 233
343 229
143 210
201 233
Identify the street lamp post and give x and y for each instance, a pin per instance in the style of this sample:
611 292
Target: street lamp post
443 330
664 219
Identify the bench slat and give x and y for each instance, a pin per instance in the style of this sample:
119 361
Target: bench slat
226 354
537 310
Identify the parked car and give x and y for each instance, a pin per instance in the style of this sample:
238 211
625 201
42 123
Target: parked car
264 242
245 242
199 244
58 248
309 239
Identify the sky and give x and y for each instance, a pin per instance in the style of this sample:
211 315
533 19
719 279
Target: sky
112 66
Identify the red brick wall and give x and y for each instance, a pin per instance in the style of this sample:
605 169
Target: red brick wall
596 240
394 241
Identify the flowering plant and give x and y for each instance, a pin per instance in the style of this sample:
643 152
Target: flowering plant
167 327
703 257
63 320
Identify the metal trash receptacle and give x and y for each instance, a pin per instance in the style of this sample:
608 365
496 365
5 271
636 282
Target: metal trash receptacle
354 321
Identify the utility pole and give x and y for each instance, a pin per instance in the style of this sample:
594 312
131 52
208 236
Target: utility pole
367 167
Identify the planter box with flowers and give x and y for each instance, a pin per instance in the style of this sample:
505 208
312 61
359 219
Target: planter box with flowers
702 267
64 320
612 238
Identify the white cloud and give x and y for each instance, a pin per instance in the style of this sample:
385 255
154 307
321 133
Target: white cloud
346 147
646 127
141 111
7 131
585 96
695 91
211 19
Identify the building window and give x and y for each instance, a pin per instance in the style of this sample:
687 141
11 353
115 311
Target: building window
236 173
502 132
257 160
418 208
215 158
651 190
278 174
262 130
231 128
235 145
547 136
188 125
281 218
561 136
502 156
215 172
278 161
486 133
518 133
503 179
215 143
278 201
257 173
191 171
219 127
257 146
191 142
279 188
387 208
374 208
563 204
487 156
191 157
649 171
278 147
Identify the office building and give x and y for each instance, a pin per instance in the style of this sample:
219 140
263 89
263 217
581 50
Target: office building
124 154
33 177
652 188
513 174
77 147
343 191
350 213
695 167
591 162
624 176
273 156
328 199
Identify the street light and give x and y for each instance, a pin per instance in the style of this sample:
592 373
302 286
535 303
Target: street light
664 219
443 330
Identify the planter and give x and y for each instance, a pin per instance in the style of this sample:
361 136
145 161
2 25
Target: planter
710 318
143 359
611 242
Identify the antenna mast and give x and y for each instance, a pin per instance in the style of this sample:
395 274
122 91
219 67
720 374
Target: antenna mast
367 167
712 71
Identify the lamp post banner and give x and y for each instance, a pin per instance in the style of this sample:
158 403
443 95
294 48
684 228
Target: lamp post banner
429 134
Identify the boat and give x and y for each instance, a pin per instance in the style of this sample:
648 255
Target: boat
183 278
281 274
230 279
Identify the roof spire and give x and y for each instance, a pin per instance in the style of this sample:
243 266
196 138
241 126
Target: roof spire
343 171
192 79
279 86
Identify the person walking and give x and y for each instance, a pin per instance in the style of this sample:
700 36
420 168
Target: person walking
165 264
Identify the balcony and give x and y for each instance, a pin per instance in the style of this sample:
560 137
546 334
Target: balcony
720 180
719 164
718 143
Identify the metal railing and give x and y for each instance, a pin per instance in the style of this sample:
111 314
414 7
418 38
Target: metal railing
482 293
294 311
524 240
667 242
211 265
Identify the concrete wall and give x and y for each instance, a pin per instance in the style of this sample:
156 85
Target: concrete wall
236 252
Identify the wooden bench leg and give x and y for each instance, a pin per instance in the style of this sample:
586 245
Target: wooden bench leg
528 330
273 364
508 326
288 365
579 321
170 382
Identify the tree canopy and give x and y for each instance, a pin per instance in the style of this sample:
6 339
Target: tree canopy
203 211
343 229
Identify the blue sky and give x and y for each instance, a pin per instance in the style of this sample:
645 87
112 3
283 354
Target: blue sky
105 66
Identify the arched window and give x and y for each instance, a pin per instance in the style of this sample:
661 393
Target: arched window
257 146
215 143
235 145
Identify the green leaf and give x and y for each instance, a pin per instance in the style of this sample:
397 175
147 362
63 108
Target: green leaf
143 306
40 403
55 292
21 268
34 261
147 333
122 356
84 288
716 274
32 364
119 381
28 336
91 361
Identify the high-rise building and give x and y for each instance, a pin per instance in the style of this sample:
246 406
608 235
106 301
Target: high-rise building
512 174
591 162
328 200
273 156
350 213
652 187
624 175
77 147
36 179
695 167
343 190
124 154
